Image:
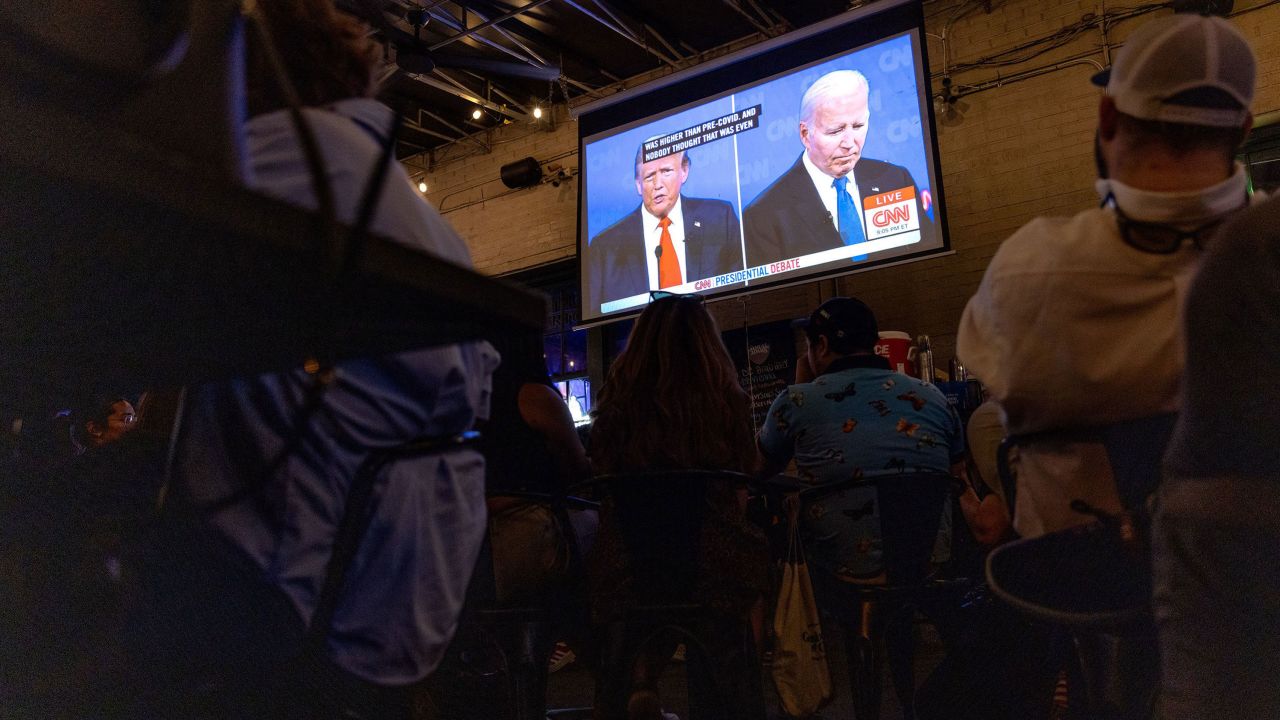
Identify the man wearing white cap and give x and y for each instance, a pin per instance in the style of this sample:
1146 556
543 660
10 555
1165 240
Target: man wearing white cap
1076 322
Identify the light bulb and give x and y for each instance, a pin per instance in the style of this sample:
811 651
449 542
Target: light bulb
475 114
537 112
422 186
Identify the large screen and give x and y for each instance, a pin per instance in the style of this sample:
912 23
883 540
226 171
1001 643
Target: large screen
809 156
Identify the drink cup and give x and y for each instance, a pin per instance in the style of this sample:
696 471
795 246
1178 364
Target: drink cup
895 346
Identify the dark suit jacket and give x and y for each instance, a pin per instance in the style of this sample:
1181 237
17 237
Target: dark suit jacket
617 266
788 219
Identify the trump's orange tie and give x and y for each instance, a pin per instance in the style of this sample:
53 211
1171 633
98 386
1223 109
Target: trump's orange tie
668 263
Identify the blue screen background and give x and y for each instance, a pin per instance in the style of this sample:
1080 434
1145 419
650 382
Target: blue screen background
611 186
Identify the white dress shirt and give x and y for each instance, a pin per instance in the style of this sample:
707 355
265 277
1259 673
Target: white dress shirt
653 238
827 192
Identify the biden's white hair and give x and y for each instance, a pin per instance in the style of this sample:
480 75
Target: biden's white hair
837 82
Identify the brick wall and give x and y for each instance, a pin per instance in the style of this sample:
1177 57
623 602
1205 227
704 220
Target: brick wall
510 229
1022 149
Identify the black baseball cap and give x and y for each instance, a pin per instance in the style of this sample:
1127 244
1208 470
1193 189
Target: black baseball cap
847 322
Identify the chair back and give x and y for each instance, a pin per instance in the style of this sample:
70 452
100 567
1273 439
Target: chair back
910 514
910 508
1135 451
660 515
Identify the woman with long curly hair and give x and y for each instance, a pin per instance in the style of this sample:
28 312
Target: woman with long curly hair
672 398
672 401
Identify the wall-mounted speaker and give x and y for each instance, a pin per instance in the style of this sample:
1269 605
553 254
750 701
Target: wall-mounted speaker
522 173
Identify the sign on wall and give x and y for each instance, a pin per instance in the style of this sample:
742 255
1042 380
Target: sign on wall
765 356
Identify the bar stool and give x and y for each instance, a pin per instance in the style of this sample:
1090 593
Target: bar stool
524 633
910 507
1094 581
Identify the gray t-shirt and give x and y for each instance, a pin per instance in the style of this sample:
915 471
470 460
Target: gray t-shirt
1230 417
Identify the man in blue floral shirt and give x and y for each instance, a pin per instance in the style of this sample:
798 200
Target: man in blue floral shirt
849 415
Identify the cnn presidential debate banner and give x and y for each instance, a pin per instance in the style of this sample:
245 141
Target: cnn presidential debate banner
818 169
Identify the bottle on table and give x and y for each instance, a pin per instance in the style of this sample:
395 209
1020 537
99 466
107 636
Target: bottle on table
924 359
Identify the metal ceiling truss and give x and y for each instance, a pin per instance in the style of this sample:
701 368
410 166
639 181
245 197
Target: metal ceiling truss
523 29
457 89
517 104
626 32
485 24
440 80
416 124
761 25
516 36
460 26
462 133
658 32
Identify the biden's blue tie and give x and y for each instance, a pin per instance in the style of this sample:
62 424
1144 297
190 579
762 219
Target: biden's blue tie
847 216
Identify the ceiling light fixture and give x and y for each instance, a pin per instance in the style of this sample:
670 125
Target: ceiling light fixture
537 112
422 186
475 114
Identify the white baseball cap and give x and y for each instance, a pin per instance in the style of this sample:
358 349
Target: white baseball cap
1183 68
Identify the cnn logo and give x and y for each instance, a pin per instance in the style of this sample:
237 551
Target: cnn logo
891 216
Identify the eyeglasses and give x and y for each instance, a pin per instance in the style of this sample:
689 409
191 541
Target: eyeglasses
1159 238
660 294
126 418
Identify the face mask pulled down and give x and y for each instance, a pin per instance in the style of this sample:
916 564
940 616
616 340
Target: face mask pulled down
1183 209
